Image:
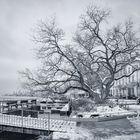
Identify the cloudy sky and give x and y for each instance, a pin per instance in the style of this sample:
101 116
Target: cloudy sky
18 17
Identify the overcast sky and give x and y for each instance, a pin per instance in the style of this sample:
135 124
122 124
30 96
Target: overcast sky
18 17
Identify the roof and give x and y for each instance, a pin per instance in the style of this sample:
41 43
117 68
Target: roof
16 98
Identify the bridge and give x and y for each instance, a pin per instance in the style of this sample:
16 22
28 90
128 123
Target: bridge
37 126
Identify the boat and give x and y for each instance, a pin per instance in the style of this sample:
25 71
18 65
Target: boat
105 113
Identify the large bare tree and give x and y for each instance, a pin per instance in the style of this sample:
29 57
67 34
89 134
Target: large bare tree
93 61
112 49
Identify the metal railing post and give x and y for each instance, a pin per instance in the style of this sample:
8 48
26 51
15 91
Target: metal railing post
22 119
49 122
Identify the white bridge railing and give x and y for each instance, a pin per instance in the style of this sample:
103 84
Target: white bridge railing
37 123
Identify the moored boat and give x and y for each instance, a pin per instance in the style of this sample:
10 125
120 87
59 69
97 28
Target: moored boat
103 114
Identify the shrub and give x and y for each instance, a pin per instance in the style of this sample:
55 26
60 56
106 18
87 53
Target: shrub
82 104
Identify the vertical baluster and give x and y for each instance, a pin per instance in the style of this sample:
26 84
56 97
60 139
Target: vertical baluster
11 122
31 122
23 122
43 123
9 119
38 119
7 116
5 119
26 121
2 118
18 120
36 123
14 120
39 122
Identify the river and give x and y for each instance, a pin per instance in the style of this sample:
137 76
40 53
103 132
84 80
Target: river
109 130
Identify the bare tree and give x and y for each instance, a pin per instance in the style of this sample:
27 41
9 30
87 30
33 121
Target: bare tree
92 62
111 50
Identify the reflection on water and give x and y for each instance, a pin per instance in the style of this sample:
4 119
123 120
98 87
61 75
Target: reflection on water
108 130
16 136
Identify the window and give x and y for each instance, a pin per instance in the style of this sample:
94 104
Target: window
43 107
129 79
129 70
126 81
111 91
120 82
123 81
124 71
121 72
132 78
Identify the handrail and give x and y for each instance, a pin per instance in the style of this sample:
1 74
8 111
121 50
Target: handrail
37 123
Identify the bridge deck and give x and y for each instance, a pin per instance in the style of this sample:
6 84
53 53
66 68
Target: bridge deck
37 123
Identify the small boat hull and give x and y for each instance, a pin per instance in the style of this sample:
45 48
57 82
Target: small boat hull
103 118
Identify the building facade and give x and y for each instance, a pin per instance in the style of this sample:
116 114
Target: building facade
127 87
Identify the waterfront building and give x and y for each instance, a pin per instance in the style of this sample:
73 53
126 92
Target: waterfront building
127 87
76 94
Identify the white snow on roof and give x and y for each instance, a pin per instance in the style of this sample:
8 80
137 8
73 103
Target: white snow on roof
65 108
